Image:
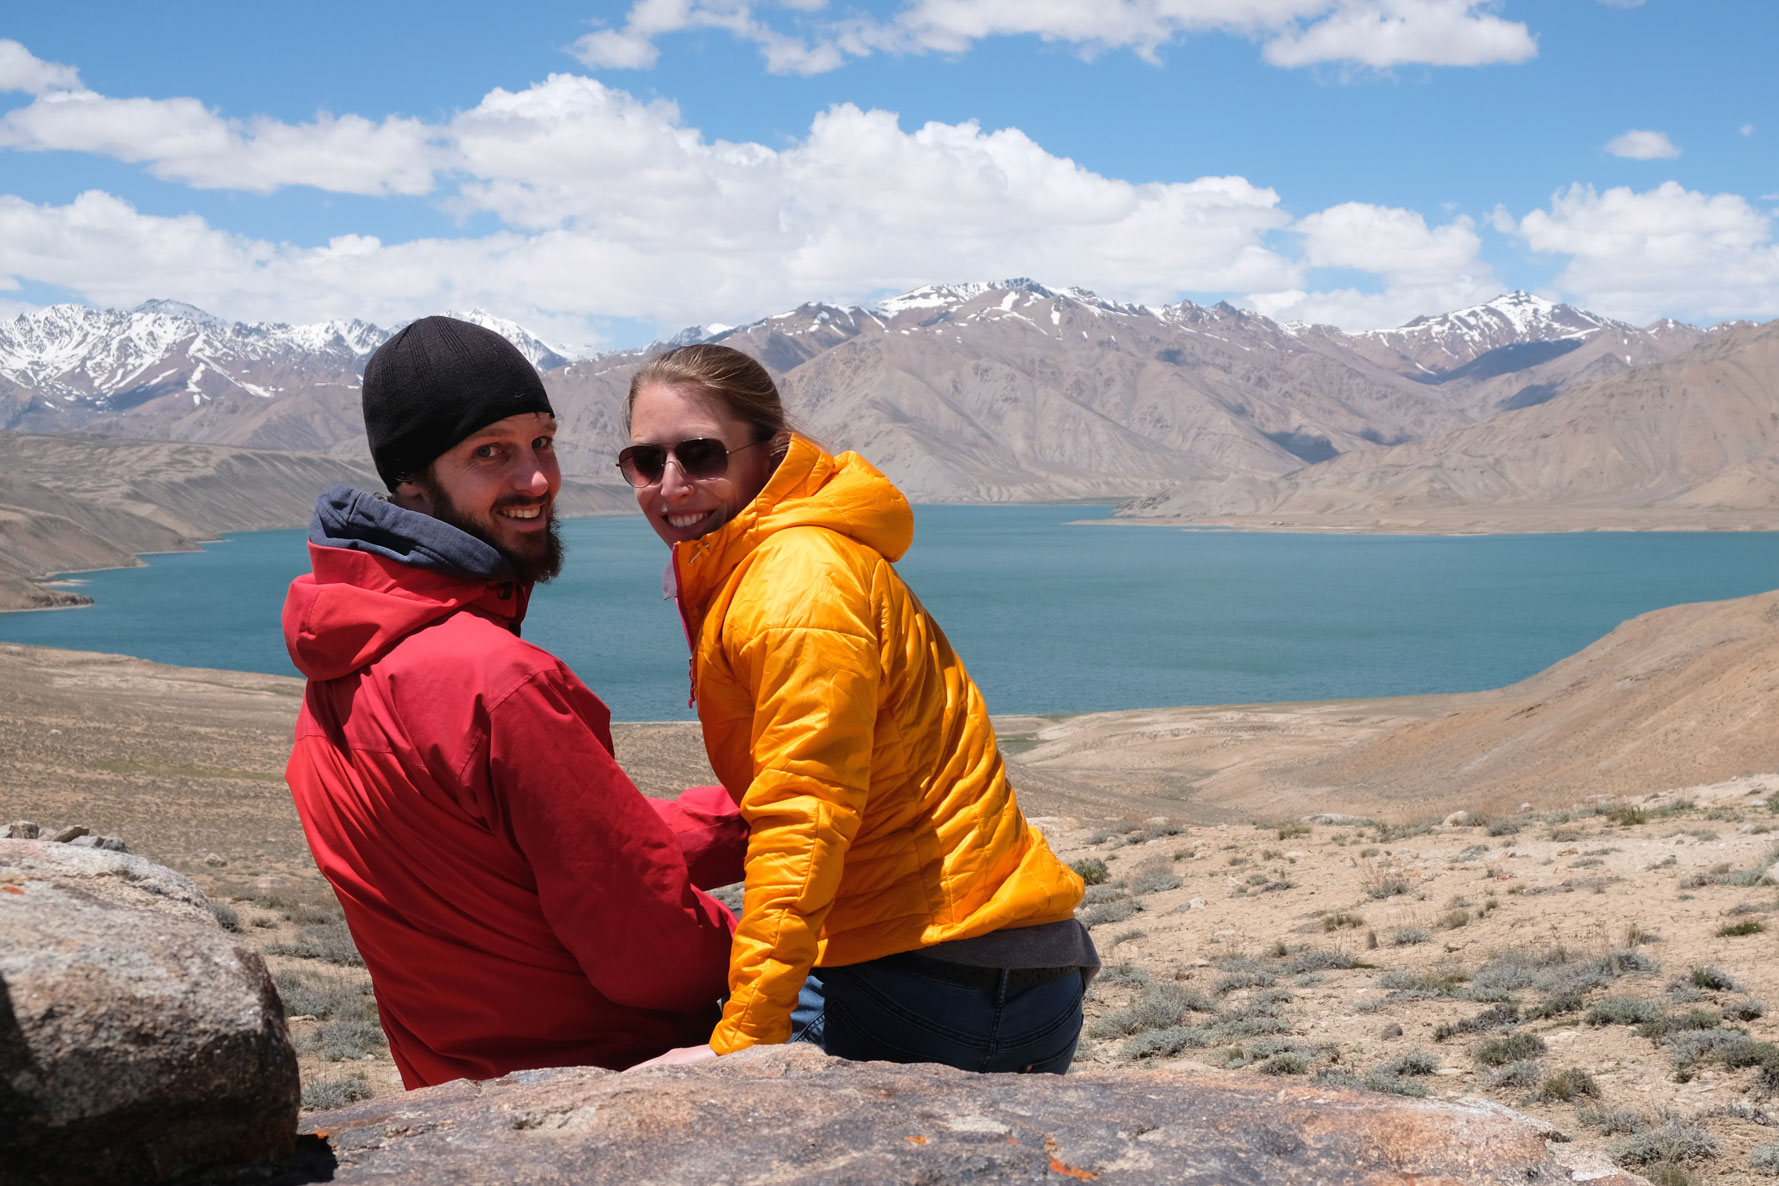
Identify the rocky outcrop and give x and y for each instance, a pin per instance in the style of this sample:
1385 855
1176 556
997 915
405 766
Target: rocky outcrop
139 1043
792 1115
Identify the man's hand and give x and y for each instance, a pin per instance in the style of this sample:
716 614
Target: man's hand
678 1055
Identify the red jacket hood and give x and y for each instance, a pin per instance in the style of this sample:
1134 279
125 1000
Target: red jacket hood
380 574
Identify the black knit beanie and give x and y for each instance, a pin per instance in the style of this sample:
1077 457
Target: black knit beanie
433 384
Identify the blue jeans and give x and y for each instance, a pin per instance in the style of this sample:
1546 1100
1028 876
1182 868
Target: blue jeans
893 1010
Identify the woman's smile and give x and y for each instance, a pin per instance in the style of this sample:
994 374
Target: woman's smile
678 506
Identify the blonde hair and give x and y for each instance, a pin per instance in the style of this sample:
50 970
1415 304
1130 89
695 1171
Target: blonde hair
737 382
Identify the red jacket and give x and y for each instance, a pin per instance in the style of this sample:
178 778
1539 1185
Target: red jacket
517 902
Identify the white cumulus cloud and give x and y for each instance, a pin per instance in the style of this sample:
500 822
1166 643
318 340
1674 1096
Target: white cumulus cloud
1668 251
21 70
615 207
180 139
1406 32
1641 145
620 210
632 46
1372 33
1421 269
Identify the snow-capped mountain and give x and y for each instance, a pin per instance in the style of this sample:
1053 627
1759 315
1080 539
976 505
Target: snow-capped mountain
110 359
1451 340
693 334
106 357
997 390
543 356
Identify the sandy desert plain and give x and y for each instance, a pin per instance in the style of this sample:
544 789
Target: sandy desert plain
1550 896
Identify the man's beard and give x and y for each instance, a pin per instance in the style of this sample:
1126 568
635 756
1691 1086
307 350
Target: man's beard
538 567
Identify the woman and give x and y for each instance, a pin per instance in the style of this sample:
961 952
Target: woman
887 851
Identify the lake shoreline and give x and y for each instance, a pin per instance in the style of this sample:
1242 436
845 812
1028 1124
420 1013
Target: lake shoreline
1468 521
1454 523
1131 621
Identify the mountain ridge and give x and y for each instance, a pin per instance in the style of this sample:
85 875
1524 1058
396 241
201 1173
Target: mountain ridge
1697 431
1007 390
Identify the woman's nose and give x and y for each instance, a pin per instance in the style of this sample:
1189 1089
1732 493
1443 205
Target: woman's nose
674 483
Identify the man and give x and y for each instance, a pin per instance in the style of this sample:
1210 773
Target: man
517 902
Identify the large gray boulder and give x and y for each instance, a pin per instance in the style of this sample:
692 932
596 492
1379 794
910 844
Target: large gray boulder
138 1042
789 1114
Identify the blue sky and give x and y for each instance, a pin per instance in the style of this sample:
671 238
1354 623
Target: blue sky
607 172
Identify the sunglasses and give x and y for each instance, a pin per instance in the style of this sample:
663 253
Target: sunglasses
699 459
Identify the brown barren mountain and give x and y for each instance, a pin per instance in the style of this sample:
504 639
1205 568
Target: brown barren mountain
972 392
77 502
1699 431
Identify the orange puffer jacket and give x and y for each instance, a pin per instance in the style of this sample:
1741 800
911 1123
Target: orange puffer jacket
858 748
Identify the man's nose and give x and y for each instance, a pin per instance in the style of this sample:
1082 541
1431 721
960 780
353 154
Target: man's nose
531 475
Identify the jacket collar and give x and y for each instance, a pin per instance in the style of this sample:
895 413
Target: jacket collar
364 522
380 574
810 488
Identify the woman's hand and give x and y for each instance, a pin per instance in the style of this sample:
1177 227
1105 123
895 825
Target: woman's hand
680 1054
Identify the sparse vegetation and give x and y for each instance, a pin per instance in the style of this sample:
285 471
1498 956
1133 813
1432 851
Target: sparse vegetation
1623 1010
1690 1048
1105 912
1286 1063
325 994
1748 926
1676 1141
1612 1121
1567 1086
1245 978
329 942
1384 883
1711 979
1746 1009
1522 1074
1498 1052
1413 1062
1492 1018
326 1094
1092 870
1561 1005
1408 936
1342 920
341 1039
1164 1043
1161 1006
1764 1159
1153 876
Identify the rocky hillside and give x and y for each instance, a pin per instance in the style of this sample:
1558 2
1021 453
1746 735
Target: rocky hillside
81 502
978 392
1700 430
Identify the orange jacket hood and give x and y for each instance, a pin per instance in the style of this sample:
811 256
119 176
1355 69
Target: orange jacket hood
810 488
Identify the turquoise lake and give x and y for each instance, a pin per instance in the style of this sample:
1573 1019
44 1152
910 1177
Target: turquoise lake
1050 616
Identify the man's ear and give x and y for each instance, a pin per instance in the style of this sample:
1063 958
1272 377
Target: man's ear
410 496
